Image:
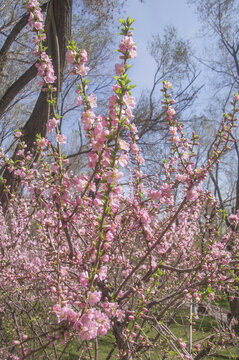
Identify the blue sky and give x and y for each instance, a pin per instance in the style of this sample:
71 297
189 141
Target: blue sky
152 16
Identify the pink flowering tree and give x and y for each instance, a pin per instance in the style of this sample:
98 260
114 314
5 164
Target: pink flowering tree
83 258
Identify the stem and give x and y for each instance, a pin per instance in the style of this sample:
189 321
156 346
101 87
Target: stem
142 260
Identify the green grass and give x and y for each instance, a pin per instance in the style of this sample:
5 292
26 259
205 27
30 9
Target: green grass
179 327
202 328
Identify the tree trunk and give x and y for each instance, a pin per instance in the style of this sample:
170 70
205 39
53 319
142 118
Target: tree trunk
58 31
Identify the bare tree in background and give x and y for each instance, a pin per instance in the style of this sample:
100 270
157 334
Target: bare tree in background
173 60
220 24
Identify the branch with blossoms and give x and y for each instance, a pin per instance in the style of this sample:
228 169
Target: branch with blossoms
87 260
44 64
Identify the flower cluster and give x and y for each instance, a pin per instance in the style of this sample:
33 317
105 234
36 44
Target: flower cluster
91 324
44 64
79 257
45 70
78 60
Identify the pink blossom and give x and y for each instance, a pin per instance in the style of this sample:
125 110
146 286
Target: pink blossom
93 298
113 100
134 148
36 50
93 323
32 4
234 218
119 68
106 158
61 138
211 296
41 68
103 273
182 344
84 278
123 159
129 115
99 140
140 158
88 329
71 56
124 145
105 258
79 101
38 14
98 202
68 314
38 25
45 57
88 118
133 52
198 347
109 236
182 177
18 134
192 195
129 100
167 85
65 313
127 43
84 55
16 342
51 124
115 87
42 142
114 176
93 158
171 111
133 129
173 130
54 167
81 69
176 139
92 100
50 77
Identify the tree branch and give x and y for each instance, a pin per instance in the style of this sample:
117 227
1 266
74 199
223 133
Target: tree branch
12 36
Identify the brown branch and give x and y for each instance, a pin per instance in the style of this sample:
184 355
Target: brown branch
12 36
16 87
142 260
58 31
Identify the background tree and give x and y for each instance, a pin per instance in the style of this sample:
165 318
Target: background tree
220 26
174 62
220 29
16 90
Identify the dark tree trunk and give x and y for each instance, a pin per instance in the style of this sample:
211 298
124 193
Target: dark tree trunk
12 37
58 31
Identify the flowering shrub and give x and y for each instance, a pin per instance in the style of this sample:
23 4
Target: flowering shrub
81 259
